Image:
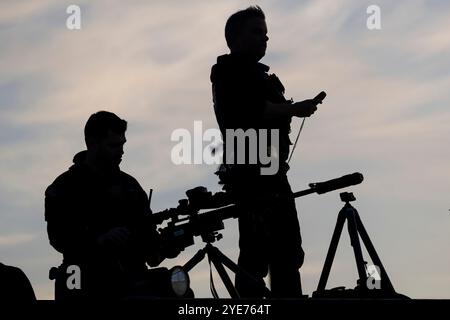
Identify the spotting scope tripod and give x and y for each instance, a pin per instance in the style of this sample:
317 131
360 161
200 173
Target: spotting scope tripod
374 285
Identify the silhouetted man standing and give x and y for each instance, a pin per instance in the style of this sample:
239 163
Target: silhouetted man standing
97 217
246 97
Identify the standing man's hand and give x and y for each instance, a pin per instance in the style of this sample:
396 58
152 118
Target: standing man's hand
305 108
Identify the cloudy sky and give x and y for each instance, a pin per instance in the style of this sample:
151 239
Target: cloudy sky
386 116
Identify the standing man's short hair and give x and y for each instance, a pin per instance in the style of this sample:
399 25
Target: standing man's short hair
236 22
100 123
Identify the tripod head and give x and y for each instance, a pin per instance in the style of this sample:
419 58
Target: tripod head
347 197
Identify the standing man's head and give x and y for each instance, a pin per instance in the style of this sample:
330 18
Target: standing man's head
104 134
246 32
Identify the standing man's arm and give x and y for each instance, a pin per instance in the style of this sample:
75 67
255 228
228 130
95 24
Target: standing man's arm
298 109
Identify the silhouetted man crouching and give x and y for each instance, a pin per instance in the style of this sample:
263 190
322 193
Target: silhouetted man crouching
97 217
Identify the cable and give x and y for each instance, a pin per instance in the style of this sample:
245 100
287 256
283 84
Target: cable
318 99
296 140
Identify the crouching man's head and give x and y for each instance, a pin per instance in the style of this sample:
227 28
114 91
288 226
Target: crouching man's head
104 134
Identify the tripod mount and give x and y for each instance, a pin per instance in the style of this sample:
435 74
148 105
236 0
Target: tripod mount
375 285
220 261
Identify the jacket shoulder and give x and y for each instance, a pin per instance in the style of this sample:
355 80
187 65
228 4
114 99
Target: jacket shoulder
130 182
62 184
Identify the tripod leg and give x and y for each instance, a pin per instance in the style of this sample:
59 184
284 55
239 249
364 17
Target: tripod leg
354 239
188 266
387 284
331 251
215 259
236 269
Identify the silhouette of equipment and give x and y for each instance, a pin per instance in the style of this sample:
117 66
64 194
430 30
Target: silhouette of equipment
205 225
366 286
180 231
319 98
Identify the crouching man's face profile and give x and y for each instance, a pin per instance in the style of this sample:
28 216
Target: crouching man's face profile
108 150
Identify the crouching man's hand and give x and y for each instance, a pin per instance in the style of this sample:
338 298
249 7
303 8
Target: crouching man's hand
165 251
171 251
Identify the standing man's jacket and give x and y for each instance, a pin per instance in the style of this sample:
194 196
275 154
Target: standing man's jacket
241 88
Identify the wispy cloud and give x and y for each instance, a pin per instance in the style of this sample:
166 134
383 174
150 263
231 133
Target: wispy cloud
15 239
386 113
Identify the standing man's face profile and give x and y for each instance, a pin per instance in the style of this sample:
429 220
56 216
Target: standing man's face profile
253 38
